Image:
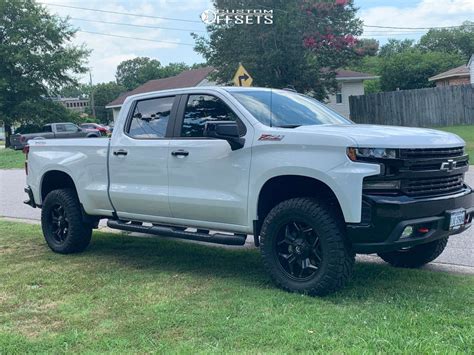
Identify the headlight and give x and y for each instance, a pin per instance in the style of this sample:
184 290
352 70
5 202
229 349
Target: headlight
356 154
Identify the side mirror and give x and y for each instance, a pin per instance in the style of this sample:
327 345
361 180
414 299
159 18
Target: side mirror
227 130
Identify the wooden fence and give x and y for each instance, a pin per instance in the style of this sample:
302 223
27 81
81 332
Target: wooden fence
443 106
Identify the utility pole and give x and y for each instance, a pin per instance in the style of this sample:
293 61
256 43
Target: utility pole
92 95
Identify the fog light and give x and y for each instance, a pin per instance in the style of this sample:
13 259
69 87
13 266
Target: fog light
408 231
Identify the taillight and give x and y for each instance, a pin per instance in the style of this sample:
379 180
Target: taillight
22 139
26 150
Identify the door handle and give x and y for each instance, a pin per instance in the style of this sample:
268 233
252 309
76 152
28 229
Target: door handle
179 152
120 152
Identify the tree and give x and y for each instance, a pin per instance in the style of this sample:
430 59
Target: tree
135 72
367 47
458 40
412 68
173 69
35 58
305 44
395 46
103 94
79 90
33 114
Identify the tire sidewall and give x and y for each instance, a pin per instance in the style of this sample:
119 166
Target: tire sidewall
78 234
331 238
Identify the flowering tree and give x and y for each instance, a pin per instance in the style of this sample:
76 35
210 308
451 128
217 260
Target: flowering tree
307 41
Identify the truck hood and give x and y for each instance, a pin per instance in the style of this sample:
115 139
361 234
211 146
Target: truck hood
388 136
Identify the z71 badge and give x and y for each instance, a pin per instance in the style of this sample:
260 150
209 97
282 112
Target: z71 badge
271 137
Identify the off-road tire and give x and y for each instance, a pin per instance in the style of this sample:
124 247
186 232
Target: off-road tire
416 256
77 235
337 260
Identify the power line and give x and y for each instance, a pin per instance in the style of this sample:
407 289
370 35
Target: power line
415 28
133 25
120 13
137 38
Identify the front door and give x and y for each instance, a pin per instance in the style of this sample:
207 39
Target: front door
208 181
138 161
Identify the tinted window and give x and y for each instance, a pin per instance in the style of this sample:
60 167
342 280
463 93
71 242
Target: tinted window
71 128
150 118
47 129
286 108
203 108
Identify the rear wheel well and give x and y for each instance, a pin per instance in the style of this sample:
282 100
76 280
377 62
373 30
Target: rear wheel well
281 188
54 180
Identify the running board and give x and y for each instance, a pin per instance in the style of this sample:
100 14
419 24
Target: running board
216 238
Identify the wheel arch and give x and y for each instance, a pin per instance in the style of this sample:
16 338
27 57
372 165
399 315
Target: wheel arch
282 187
55 179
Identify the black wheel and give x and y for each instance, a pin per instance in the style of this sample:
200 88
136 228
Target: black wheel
62 222
304 249
416 256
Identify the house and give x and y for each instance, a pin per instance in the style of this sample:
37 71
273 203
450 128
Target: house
78 104
188 78
350 83
462 75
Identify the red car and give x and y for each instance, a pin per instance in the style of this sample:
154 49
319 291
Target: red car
103 131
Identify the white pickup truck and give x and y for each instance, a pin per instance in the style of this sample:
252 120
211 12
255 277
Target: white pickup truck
216 164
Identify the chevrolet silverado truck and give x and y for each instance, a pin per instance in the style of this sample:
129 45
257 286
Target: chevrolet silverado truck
217 164
52 131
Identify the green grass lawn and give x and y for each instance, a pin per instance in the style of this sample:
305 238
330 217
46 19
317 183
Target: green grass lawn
466 133
11 159
127 294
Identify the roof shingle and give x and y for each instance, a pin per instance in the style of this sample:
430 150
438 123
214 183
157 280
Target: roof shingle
185 79
462 70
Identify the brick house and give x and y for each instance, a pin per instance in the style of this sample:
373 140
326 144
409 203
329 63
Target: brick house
462 75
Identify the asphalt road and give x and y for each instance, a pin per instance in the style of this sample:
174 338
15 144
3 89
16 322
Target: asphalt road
460 249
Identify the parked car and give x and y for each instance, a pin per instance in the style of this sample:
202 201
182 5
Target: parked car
312 187
95 126
53 130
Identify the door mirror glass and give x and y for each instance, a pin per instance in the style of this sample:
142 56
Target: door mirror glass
227 130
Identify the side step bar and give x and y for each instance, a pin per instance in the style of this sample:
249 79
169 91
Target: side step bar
216 238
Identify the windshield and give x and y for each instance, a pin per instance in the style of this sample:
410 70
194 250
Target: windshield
279 108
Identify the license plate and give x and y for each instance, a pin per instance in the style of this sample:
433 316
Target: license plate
456 219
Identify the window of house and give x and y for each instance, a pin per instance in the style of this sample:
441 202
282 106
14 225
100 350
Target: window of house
201 109
150 118
338 97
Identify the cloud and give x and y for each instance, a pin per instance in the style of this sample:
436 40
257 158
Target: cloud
426 13
108 52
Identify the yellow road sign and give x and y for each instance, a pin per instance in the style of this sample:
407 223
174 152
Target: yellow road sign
242 77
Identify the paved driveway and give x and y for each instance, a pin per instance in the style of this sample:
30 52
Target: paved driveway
460 250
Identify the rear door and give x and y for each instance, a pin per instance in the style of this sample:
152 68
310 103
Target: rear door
208 181
138 160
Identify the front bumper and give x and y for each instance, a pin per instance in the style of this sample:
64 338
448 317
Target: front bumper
385 217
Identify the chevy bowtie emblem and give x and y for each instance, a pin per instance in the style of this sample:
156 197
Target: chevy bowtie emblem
448 165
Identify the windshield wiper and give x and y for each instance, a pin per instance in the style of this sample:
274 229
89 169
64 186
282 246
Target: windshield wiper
288 126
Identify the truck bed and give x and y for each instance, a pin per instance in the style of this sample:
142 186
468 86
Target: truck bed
84 159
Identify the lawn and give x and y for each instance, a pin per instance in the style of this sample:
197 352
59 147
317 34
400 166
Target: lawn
140 295
466 133
11 159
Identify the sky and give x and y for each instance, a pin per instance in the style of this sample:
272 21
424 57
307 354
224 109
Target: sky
176 46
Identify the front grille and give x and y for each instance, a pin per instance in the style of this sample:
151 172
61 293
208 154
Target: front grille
433 186
431 153
425 172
